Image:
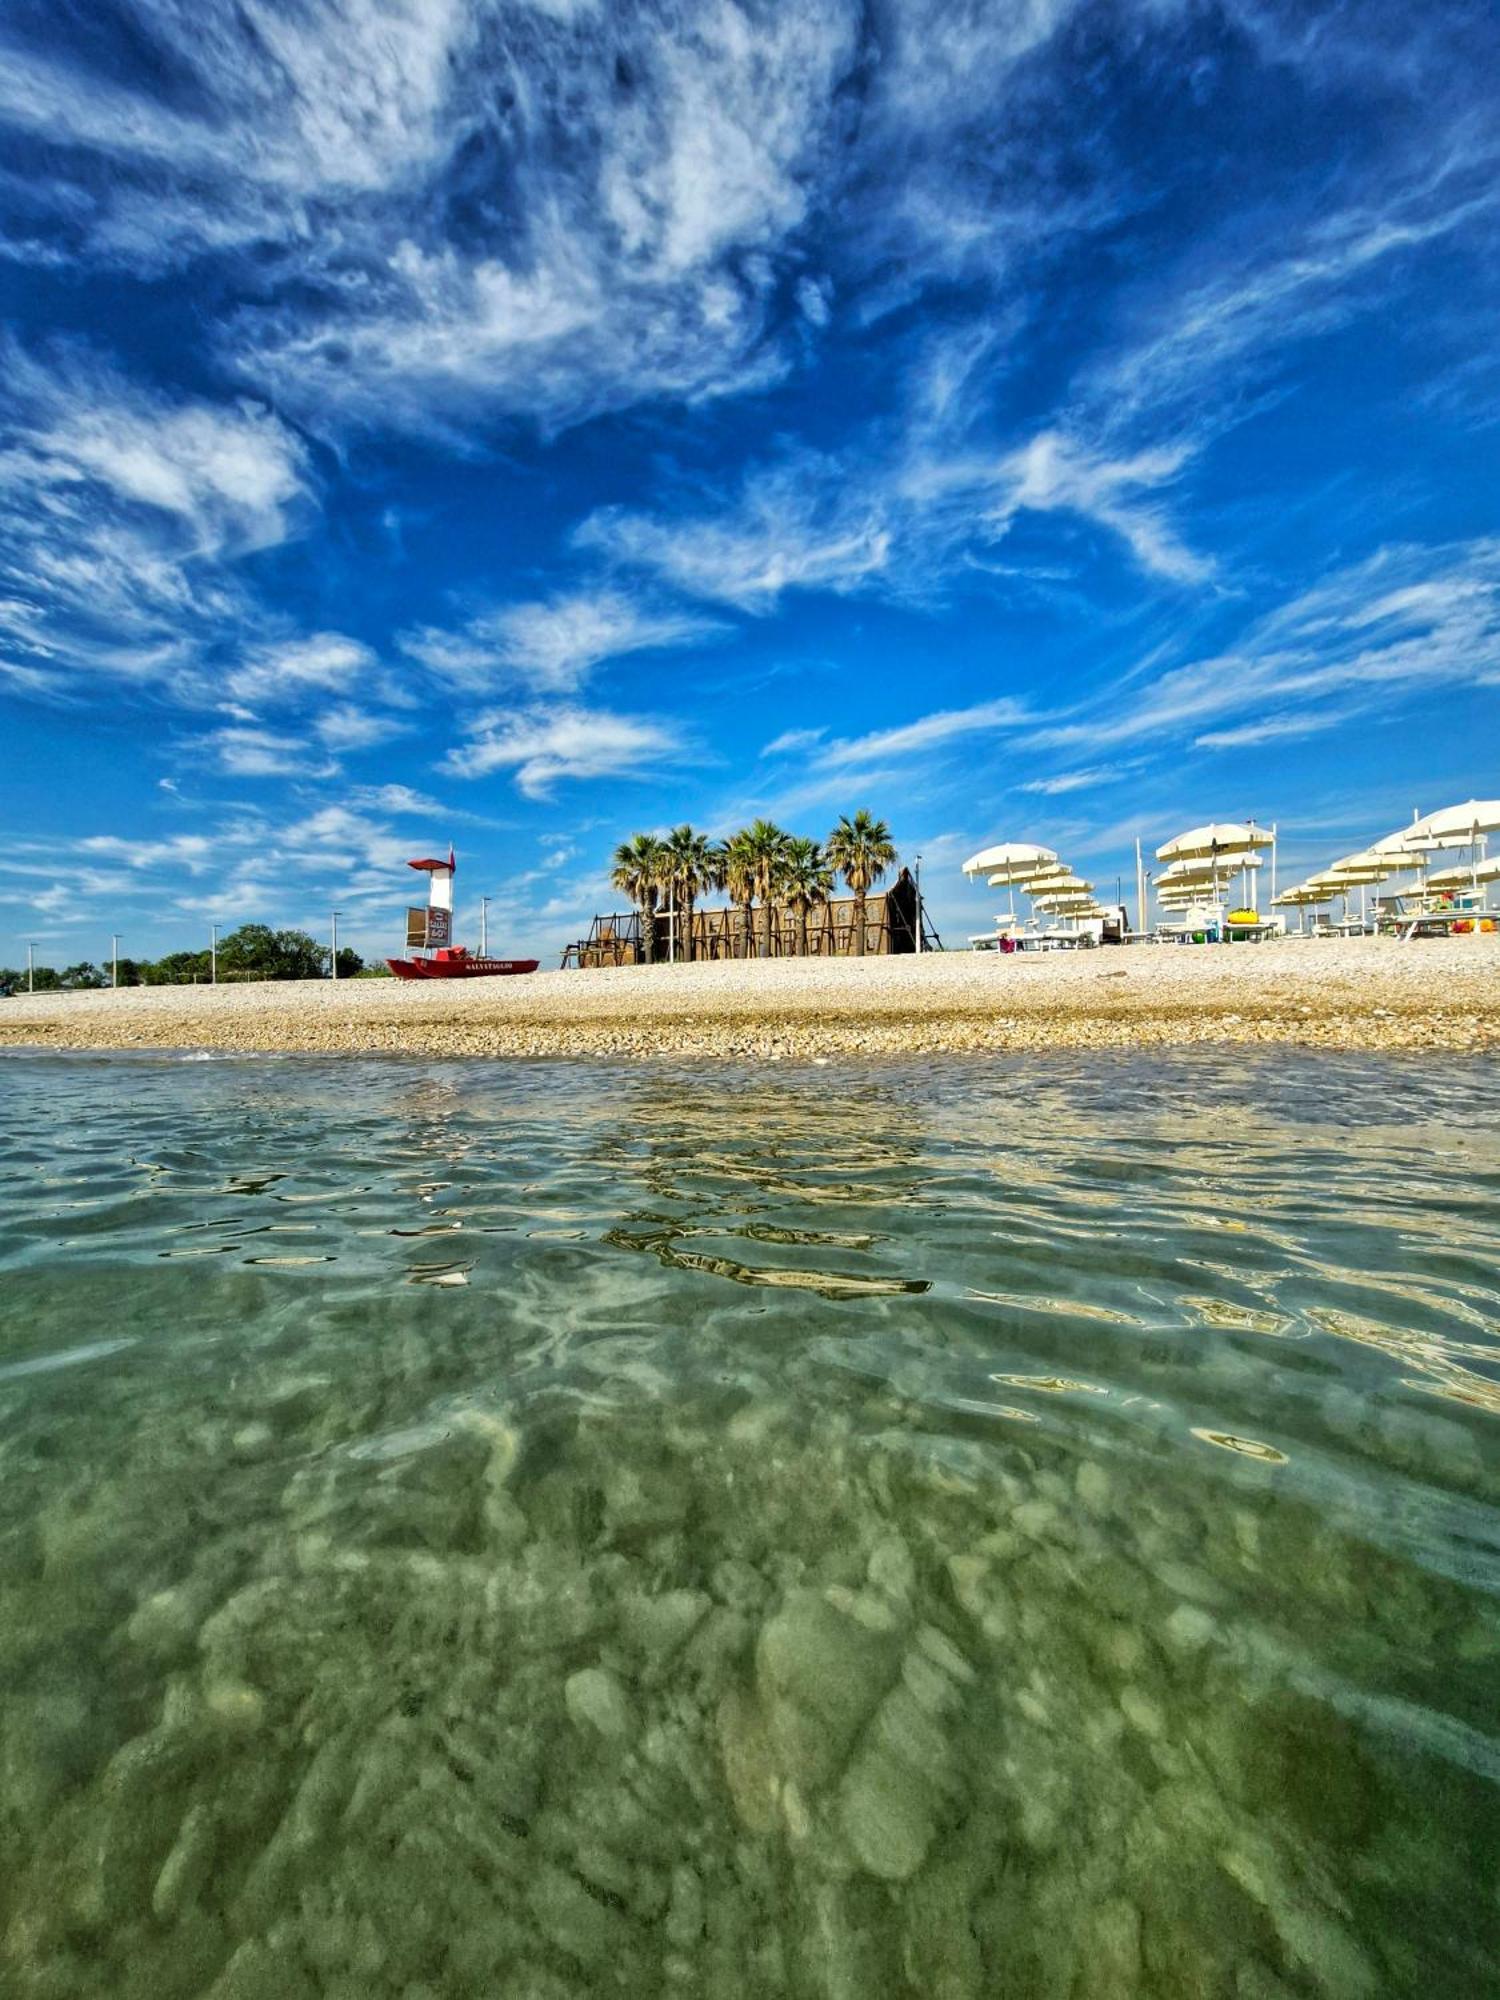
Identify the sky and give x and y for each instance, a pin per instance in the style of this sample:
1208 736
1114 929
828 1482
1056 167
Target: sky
521 425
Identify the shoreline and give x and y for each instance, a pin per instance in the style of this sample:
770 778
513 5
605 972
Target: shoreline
1360 993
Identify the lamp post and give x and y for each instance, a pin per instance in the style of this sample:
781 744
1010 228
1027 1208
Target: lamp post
484 925
334 962
31 965
213 954
917 873
114 958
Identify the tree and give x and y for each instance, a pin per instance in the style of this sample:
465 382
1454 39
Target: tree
255 951
637 872
84 974
691 867
806 879
737 872
351 965
766 847
861 850
178 968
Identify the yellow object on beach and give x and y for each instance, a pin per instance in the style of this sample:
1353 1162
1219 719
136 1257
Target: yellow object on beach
1242 917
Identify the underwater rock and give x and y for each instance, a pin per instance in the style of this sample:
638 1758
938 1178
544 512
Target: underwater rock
189 1864
656 1627
750 1769
887 1812
596 1700
573 1920
820 1674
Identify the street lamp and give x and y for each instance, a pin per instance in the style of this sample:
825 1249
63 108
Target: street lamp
114 957
31 965
484 925
213 954
335 944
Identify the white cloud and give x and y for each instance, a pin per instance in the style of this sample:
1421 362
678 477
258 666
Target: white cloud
347 727
552 646
323 663
791 740
796 527
1063 782
544 745
122 514
1408 620
262 753
1054 473
908 739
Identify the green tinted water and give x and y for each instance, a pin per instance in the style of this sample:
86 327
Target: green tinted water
1006 1529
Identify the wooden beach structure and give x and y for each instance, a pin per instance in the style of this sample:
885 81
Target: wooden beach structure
826 931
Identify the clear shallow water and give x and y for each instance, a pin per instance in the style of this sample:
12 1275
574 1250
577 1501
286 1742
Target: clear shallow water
1009 1528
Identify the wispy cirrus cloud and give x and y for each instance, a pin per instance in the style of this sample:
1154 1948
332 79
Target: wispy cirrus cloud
796 526
551 646
545 745
243 751
123 512
1369 638
319 664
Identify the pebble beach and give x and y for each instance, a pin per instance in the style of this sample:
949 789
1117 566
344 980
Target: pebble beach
1360 993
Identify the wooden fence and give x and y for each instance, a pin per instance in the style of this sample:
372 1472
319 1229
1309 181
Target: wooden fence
890 927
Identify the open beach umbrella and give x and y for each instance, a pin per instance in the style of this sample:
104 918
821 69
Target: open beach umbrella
1015 860
1466 825
1226 845
1009 863
1213 842
1456 826
1466 874
1302 896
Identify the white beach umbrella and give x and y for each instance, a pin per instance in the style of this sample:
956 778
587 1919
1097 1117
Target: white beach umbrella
1014 860
1339 879
1213 841
1366 866
1225 844
1456 826
1466 825
1209 871
1466 872
1302 896
1009 863
1304 892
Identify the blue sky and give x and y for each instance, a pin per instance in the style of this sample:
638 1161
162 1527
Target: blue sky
522 424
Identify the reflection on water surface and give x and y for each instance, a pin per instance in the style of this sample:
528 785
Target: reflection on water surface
1006 1528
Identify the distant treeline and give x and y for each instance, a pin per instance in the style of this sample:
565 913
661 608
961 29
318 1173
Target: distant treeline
254 951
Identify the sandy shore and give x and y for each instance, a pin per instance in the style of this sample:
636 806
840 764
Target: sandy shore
1354 993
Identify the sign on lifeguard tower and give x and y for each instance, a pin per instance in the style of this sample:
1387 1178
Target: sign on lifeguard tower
431 928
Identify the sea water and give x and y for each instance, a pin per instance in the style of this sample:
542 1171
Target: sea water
1003 1527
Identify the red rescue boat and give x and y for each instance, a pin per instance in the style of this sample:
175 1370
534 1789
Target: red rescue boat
428 931
455 962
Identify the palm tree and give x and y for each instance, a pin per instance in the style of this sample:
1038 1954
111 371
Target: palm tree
737 872
637 873
861 850
806 879
765 848
690 869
